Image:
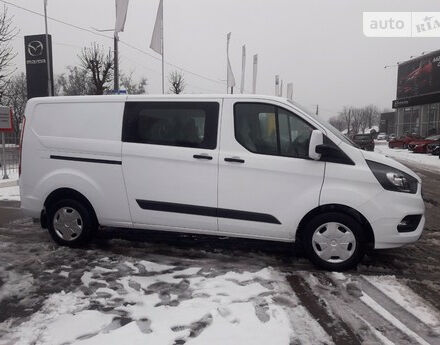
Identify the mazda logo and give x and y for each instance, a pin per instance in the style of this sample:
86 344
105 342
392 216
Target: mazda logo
35 48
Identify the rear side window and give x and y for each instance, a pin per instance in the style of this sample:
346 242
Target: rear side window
267 129
184 124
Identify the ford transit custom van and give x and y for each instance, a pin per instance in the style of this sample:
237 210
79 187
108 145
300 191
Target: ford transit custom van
246 166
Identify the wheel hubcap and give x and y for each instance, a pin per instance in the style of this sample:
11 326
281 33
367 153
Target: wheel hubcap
334 242
68 223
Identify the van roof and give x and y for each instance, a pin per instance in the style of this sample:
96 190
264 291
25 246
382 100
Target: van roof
119 98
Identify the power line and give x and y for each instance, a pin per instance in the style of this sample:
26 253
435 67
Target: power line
110 37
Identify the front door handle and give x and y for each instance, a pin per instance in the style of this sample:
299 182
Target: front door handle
203 157
234 160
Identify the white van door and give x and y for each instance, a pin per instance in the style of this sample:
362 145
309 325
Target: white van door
170 163
267 182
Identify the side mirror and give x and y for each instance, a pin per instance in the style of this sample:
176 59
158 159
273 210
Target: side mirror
316 139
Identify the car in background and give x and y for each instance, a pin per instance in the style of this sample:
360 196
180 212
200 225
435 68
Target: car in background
382 136
364 141
392 136
403 141
420 145
433 148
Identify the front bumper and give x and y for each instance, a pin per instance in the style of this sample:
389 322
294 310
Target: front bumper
385 213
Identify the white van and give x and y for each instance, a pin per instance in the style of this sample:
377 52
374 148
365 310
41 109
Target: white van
242 166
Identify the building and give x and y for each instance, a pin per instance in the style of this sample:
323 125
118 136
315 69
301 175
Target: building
387 123
418 96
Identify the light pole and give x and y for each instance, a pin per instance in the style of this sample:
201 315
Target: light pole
115 58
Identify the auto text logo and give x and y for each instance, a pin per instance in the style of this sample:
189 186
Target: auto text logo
401 24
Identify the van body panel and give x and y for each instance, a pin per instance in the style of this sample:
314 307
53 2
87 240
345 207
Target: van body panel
167 186
286 188
67 142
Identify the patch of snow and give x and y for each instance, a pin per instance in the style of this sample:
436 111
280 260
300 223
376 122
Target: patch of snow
16 285
56 306
69 327
406 298
64 274
390 318
155 267
428 162
10 193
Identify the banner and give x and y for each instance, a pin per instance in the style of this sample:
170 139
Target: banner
36 65
243 67
230 74
255 71
157 37
121 15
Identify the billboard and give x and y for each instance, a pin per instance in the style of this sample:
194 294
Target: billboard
36 65
420 76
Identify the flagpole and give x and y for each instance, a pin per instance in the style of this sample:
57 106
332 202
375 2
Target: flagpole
49 77
163 53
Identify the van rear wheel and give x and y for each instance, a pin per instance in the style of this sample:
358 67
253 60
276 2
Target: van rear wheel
334 241
70 223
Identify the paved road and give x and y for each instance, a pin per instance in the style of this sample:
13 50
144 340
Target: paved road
343 305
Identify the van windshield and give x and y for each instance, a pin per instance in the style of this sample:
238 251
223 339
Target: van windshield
325 124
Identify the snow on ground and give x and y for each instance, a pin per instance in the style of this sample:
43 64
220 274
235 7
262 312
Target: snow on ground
425 161
9 187
10 193
164 305
406 298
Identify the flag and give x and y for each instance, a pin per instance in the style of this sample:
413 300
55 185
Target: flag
255 70
121 14
290 91
157 37
230 76
243 67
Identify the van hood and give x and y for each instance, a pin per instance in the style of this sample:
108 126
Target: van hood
380 158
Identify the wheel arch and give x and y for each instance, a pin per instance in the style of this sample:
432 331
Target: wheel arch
336 208
65 193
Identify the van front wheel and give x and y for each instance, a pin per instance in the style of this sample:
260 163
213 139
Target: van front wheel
334 241
70 223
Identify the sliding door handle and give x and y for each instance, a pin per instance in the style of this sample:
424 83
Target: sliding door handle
203 157
234 160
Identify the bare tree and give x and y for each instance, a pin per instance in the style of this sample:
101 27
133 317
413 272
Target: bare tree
99 66
15 96
337 122
75 82
177 82
132 87
7 33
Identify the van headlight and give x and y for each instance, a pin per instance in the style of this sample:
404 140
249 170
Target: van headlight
393 179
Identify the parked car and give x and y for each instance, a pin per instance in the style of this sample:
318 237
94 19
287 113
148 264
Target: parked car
364 141
433 148
382 136
403 141
230 165
391 137
420 146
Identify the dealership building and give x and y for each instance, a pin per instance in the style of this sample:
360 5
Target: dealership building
418 97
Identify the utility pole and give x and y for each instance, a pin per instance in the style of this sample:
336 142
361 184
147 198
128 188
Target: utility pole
317 109
116 63
49 77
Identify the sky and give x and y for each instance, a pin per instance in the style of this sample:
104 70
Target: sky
319 46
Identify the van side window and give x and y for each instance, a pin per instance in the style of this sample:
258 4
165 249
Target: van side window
267 129
184 124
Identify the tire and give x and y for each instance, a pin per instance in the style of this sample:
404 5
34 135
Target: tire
346 229
71 222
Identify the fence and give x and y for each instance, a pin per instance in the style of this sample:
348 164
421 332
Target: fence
9 155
